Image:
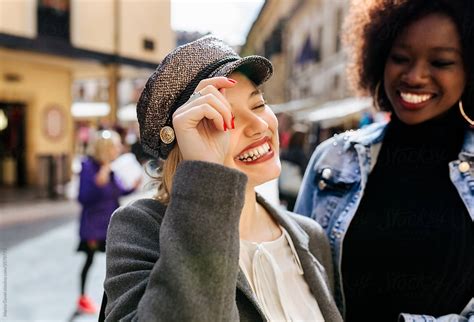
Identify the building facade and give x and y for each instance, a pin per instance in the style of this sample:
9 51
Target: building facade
303 40
56 53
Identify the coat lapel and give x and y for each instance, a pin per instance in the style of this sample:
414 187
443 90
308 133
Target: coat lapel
244 286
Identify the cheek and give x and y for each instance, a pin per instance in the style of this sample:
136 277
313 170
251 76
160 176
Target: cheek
233 144
390 74
455 84
271 120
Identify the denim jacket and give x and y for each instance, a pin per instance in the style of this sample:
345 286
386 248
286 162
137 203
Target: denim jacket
334 183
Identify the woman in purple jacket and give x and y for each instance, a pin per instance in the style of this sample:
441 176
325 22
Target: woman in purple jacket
99 191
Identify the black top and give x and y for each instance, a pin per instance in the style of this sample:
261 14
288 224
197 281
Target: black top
410 246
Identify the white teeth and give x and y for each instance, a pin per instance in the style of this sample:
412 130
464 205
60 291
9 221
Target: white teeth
255 153
415 98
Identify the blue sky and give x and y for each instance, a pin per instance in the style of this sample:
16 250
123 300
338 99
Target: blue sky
227 19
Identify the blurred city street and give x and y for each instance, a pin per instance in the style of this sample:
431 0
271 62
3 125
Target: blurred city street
43 276
42 266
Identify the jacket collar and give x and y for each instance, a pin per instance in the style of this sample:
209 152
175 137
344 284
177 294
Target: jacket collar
369 135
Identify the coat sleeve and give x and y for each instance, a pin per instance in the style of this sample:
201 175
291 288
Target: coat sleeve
178 263
467 315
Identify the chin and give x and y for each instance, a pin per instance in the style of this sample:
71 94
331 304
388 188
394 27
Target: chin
415 119
256 179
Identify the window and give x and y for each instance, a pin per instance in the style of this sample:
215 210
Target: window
273 45
148 44
53 18
339 20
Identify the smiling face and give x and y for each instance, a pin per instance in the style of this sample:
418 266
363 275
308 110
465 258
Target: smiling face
424 74
254 147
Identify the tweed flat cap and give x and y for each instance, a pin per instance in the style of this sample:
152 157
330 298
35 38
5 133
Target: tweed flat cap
175 79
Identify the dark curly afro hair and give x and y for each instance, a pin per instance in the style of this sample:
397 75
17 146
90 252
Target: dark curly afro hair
372 26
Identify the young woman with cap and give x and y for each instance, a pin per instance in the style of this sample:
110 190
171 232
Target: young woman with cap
207 248
397 199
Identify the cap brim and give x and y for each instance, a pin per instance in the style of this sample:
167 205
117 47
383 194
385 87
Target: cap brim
257 68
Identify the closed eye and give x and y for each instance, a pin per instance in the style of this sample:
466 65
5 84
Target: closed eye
442 63
262 105
399 59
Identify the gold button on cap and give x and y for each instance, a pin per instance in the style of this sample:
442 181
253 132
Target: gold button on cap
464 166
167 134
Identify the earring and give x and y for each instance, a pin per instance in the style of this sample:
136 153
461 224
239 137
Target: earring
467 118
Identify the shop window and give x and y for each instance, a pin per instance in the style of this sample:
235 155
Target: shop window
53 18
12 144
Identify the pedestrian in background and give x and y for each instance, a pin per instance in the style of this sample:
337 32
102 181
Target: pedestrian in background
396 199
285 124
293 165
99 192
208 248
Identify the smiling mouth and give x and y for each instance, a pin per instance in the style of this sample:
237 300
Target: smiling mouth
413 98
254 153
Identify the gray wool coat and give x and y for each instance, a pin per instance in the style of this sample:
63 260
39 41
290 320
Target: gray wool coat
181 262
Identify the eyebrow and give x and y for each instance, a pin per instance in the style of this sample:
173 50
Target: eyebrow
438 49
256 92
450 49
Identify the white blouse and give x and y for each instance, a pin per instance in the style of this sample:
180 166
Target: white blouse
274 272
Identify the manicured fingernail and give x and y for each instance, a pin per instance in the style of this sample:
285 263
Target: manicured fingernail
233 124
233 81
225 126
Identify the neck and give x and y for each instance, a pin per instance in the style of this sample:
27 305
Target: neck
256 224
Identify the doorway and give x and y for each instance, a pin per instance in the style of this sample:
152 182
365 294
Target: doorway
12 145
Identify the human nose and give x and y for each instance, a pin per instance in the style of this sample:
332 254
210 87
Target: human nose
417 74
255 126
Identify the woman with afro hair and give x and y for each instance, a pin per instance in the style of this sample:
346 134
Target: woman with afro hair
397 199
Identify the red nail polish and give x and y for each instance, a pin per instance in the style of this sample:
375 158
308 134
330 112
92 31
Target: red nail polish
233 124
233 81
225 127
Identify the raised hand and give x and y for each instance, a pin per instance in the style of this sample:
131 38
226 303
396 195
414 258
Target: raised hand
203 123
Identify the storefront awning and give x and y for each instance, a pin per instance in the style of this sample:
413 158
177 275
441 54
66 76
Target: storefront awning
327 114
89 109
335 112
127 113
